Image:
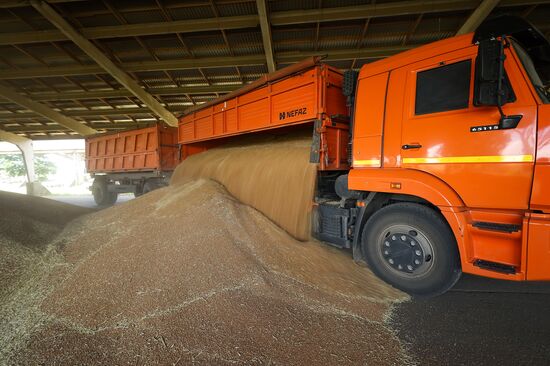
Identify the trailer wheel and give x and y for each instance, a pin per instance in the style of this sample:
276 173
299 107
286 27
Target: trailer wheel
411 247
139 190
151 185
102 196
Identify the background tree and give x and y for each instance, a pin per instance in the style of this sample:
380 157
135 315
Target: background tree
14 166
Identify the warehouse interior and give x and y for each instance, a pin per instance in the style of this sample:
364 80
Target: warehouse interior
102 286
183 53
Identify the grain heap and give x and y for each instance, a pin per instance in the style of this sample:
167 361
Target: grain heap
27 225
188 274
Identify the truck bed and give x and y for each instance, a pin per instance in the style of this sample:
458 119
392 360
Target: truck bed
311 93
146 149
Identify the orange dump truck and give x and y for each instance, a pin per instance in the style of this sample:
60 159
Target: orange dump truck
135 161
431 163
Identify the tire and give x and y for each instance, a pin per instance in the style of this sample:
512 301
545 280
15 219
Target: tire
412 248
111 198
138 191
151 185
102 196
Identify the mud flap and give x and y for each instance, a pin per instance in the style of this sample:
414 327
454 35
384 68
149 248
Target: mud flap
315 155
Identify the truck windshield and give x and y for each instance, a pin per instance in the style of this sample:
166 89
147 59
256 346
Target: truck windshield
539 72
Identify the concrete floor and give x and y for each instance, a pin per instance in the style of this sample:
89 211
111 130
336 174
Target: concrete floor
479 322
87 200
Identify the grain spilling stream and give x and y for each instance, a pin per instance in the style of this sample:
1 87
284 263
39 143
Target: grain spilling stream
271 174
188 274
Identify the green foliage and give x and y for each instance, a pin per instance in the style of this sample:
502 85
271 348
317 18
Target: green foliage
14 166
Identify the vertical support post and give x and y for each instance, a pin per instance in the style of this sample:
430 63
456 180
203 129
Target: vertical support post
25 146
27 151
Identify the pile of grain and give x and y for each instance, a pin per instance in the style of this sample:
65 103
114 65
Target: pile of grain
189 274
27 225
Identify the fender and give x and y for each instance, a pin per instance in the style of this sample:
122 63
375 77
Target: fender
405 181
413 183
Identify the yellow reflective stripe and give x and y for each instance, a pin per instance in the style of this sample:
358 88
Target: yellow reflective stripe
471 159
371 162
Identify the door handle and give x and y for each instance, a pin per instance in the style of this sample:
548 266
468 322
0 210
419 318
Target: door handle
411 146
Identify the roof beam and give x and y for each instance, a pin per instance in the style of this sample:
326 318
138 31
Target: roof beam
205 62
343 54
45 111
480 13
91 50
59 128
266 34
182 64
124 93
12 137
81 113
251 21
21 3
378 10
135 30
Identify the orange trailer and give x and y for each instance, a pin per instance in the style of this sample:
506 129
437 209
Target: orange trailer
135 161
449 154
307 92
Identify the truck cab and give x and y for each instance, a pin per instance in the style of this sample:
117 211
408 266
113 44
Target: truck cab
453 140
430 163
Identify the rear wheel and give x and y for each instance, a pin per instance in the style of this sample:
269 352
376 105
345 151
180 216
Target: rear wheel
138 190
151 185
100 191
411 247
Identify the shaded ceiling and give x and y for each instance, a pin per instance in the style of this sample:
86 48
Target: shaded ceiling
188 52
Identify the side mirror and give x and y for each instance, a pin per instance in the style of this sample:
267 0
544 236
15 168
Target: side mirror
487 72
491 86
509 122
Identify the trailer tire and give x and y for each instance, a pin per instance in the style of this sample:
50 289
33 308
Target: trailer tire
151 185
100 191
412 248
138 190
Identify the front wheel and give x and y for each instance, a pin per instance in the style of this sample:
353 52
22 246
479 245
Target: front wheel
411 247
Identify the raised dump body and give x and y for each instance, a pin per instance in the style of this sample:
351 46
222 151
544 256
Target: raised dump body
305 93
135 161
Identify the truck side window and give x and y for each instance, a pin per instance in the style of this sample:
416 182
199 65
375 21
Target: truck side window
443 88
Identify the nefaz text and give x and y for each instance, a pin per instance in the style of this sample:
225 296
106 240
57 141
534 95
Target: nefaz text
293 113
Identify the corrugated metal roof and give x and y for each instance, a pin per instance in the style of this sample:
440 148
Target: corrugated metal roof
200 62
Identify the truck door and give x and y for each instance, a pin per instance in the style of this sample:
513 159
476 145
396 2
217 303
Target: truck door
444 134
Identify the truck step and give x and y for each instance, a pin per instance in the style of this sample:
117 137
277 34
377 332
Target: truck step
494 226
496 267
